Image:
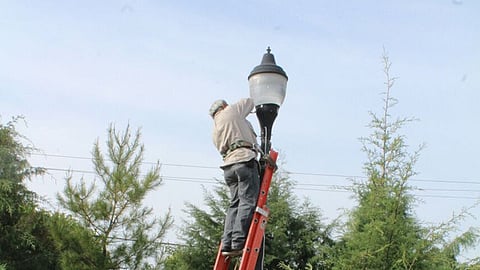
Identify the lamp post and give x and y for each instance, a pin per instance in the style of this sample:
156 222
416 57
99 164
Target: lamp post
268 85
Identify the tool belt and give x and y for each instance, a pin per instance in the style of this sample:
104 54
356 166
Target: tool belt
236 145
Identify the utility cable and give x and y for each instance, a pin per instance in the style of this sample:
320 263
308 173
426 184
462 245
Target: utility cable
312 187
471 182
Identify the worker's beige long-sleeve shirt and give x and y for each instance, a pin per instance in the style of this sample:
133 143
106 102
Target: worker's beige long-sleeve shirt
230 126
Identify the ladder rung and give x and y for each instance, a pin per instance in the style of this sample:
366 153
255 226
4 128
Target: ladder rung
262 211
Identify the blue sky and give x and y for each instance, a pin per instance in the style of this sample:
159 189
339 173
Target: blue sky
73 67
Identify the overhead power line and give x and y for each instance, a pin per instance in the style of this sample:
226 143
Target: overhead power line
144 162
298 186
449 181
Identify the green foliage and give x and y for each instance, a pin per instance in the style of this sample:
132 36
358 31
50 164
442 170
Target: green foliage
295 233
201 236
382 232
79 247
14 169
446 250
127 233
25 242
283 266
294 236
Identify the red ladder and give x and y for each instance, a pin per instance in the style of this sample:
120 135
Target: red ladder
257 227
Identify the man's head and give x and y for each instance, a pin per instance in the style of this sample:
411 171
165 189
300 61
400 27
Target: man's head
217 106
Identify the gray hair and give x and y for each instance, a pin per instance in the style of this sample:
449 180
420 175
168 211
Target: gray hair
217 105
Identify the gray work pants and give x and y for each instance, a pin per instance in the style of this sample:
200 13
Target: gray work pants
244 184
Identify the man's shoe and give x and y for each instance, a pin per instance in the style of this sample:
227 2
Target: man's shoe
232 253
226 249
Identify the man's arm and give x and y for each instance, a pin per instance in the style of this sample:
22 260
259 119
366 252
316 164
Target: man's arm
245 106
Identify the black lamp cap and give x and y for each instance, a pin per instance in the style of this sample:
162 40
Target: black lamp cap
268 65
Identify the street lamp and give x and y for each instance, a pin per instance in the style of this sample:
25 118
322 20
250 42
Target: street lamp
268 85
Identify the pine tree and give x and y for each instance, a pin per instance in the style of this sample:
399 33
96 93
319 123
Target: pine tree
382 231
294 234
128 234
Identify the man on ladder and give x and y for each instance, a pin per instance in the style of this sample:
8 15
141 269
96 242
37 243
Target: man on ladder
235 139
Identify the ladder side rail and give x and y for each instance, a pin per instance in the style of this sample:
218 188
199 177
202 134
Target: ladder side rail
221 262
267 179
251 254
